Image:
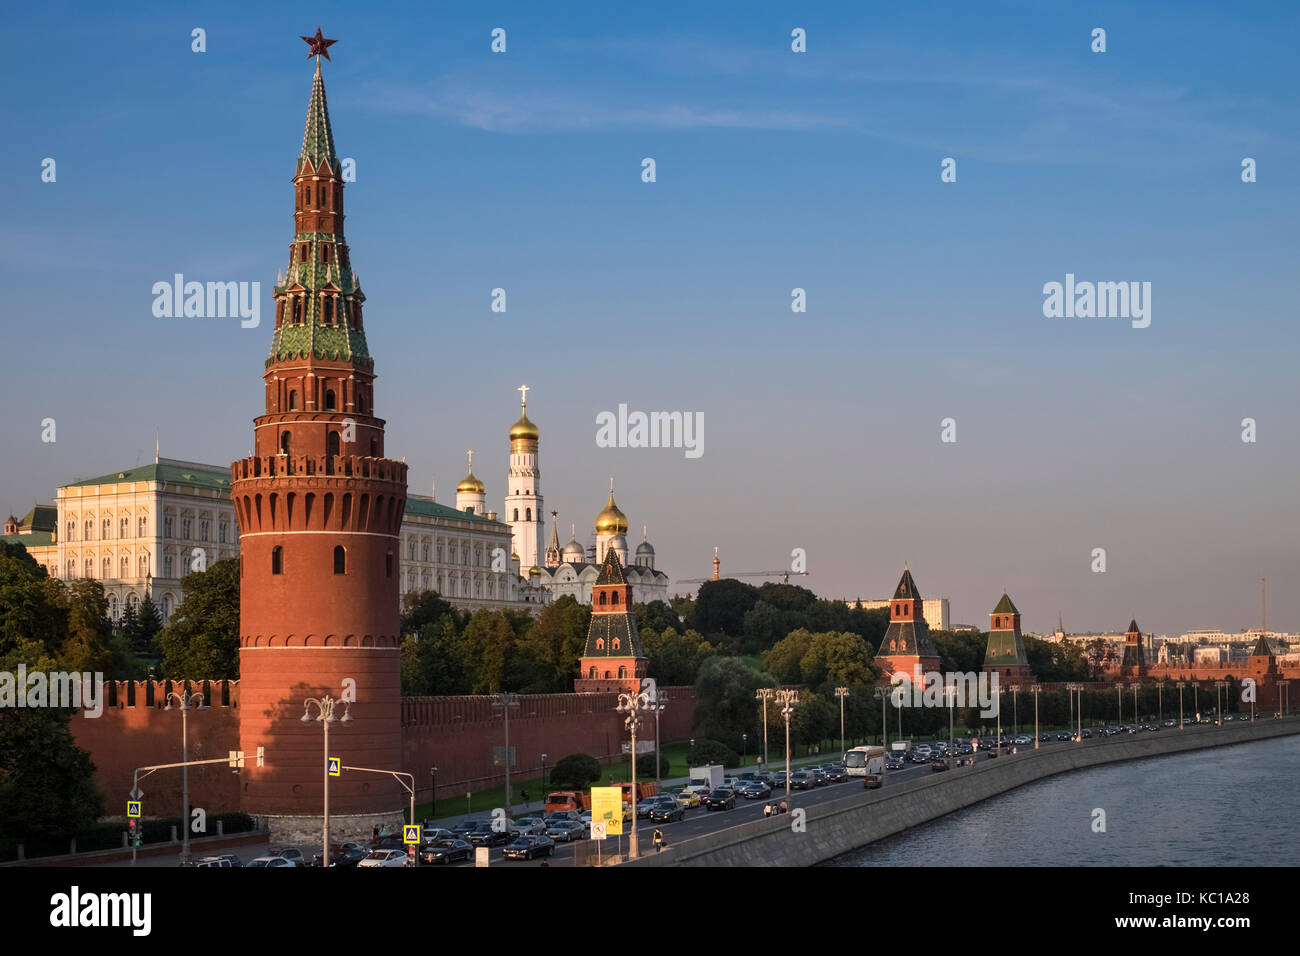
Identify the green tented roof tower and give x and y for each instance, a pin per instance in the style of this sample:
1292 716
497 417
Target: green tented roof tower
1005 652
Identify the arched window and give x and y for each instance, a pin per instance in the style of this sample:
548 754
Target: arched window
284 443
293 399
602 598
329 399
112 607
329 304
167 604
606 675
591 674
600 643
516 514
374 448
277 560
617 643
297 310
614 598
340 560
361 402
622 672
528 514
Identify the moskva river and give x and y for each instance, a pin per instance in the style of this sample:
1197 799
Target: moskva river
1227 806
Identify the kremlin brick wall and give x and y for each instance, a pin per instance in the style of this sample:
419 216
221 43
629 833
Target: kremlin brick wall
455 734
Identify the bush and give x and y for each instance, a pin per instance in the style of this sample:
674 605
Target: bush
645 766
710 751
575 772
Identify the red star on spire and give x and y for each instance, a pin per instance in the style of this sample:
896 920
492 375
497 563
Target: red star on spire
319 45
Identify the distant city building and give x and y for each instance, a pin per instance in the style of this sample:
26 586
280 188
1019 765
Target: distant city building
935 610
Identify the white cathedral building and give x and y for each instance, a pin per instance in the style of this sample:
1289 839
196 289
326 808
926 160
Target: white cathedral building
571 569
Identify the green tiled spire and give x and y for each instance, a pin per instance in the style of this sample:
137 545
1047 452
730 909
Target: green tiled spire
318 138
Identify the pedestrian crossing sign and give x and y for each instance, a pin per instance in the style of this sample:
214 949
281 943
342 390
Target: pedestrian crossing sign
336 766
411 834
133 809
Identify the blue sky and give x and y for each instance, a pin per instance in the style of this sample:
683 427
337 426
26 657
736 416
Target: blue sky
775 170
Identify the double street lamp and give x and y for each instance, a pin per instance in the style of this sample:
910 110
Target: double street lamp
632 705
788 699
505 703
841 693
326 707
1035 689
763 695
1219 686
186 702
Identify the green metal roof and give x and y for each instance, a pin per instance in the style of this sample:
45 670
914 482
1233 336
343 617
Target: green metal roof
41 518
1005 606
431 509
37 539
176 474
317 137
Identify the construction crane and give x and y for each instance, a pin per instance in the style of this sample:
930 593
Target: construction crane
717 566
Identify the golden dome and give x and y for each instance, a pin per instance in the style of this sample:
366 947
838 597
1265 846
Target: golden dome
469 485
534 572
611 520
524 429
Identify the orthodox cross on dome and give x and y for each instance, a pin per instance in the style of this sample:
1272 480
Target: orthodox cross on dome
523 395
611 486
471 460
319 47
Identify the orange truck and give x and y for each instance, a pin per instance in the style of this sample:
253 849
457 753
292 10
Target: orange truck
563 800
643 790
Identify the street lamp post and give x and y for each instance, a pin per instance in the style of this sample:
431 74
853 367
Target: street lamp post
632 705
841 693
326 705
1180 684
544 783
1219 686
1072 688
657 707
506 702
1196 699
1035 689
744 749
1015 706
1285 696
186 702
763 695
1135 685
1160 699
950 691
433 796
884 722
1119 693
788 699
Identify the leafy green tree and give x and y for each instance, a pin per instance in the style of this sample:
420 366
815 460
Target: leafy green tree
148 625
785 660
960 651
675 659
551 647
484 647
645 766
786 597
425 607
837 660
815 718
725 706
88 646
720 607
46 782
575 772
655 616
30 608
711 751
202 639
432 662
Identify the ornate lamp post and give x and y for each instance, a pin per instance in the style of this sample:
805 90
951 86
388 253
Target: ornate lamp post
1035 689
1135 685
763 695
1076 688
433 796
632 705
186 702
787 699
1119 693
1286 694
841 693
658 707
1196 700
1015 706
326 706
882 696
1219 686
1180 684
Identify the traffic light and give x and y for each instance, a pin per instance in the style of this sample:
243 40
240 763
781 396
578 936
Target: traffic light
135 832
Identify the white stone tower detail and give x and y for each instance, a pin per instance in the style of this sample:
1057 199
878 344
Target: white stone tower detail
523 511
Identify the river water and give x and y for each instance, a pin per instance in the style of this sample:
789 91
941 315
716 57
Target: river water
1226 806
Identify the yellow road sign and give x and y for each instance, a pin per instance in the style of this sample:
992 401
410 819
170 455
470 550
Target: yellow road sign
607 807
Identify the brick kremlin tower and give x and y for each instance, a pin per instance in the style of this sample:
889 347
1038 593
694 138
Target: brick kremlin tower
1005 652
906 645
612 661
1134 663
319 510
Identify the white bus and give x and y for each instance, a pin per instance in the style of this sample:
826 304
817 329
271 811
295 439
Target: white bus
864 760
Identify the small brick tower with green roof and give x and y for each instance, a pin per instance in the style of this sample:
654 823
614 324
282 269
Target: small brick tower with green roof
906 646
1134 663
1005 652
612 661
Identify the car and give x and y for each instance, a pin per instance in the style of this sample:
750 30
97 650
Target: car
343 854
1044 738
384 858
1064 735
699 790
1153 727
231 858
1171 723
270 861
1022 740
965 750
819 777
871 781
211 862
778 780
485 834
1227 716
529 826
290 853
566 831
433 834
446 850
464 828
756 791
731 783
802 780
667 812
938 764
894 761
527 847
837 773
723 798
688 799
